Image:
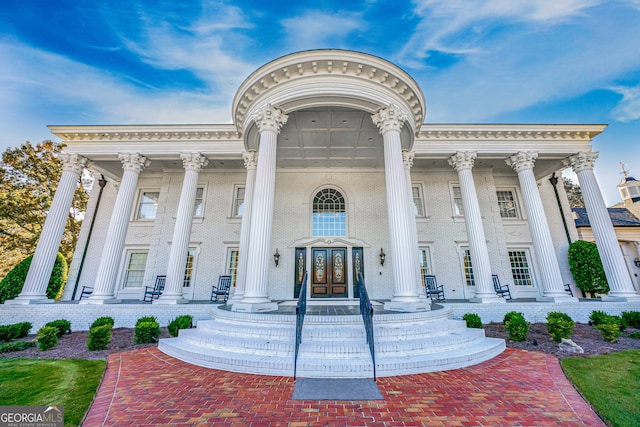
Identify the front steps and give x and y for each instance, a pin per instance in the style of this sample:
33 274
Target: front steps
332 346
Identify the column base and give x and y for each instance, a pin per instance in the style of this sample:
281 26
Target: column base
488 299
407 306
557 298
32 299
244 307
110 300
622 297
170 300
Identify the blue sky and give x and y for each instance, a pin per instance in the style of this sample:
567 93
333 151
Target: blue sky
76 62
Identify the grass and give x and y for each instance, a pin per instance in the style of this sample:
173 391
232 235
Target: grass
610 383
71 383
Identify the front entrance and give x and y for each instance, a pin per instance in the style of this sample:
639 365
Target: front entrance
329 273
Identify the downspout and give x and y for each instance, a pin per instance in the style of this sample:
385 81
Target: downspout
554 181
101 182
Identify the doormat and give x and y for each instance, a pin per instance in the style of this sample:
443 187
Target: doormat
336 389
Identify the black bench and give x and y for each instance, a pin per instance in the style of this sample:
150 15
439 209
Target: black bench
221 290
502 290
86 291
567 289
154 293
432 289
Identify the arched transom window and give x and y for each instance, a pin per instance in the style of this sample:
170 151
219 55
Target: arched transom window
329 217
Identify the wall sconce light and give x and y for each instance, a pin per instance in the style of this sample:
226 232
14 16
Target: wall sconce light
276 257
382 256
637 262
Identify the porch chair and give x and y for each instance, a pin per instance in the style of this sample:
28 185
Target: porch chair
502 290
221 290
567 289
432 289
86 291
153 293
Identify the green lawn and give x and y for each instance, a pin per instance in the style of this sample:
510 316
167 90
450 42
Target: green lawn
611 383
71 383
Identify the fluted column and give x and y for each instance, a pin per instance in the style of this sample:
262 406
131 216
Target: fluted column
551 277
250 162
606 240
462 162
104 286
193 164
269 120
403 253
34 290
407 159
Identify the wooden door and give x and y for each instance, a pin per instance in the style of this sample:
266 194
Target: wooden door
329 273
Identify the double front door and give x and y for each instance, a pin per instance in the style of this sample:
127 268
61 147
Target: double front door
329 273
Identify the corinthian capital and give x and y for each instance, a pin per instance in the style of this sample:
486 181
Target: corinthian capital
390 118
463 160
134 162
407 158
583 160
193 161
522 160
250 159
269 118
74 163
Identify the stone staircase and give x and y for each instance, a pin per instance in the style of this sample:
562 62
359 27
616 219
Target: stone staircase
332 346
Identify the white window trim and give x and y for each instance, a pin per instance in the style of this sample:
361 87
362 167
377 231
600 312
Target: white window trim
227 262
232 214
456 217
200 219
134 214
420 186
532 267
516 198
131 293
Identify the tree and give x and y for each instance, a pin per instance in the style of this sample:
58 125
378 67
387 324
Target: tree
574 193
12 284
30 175
586 268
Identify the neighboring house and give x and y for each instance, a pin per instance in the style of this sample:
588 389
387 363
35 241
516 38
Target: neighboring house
328 168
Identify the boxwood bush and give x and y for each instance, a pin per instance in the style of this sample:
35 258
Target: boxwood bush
16 330
609 331
99 337
64 326
560 325
8 347
47 337
516 326
100 321
473 320
147 330
631 319
11 285
181 322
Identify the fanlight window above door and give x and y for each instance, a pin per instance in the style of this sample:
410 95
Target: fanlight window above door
329 216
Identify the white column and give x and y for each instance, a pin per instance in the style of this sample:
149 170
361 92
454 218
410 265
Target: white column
551 277
104 286
250 162
403 247
34 290
256 298
407 159
462 162
193 164
606 240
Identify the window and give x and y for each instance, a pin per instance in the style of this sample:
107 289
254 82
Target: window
520 269
507 204
329 217
232 264
458 208
148 205
468 267
416 190
134 275
188 270
424 263
199 203
238 202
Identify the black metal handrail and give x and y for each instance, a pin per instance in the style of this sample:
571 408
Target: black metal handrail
301 310
366 310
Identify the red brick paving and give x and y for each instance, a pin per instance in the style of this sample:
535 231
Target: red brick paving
518 388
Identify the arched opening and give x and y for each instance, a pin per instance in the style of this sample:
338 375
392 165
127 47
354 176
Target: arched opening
329 214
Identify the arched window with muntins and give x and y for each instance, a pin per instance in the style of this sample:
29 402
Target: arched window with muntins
329 216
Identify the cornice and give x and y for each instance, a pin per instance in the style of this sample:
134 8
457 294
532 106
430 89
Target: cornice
146 133
474 132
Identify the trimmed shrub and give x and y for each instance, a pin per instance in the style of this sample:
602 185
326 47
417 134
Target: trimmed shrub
631 319
609 331
473 320
146 331
586 268
144 319
597 317
64 326
16 330
516 326
47 337
635 335
101 321
11 285
9 347
99 337
180 322
560 325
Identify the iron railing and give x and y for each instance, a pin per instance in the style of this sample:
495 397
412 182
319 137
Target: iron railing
366 310
301 310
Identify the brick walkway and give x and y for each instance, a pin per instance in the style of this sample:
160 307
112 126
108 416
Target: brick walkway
518 388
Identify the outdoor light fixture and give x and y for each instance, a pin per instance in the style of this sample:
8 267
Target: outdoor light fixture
276 257
637 262
382 256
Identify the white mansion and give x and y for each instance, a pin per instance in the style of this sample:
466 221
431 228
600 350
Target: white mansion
328 168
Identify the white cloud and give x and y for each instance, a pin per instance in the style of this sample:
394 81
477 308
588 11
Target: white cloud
628 109
317 29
